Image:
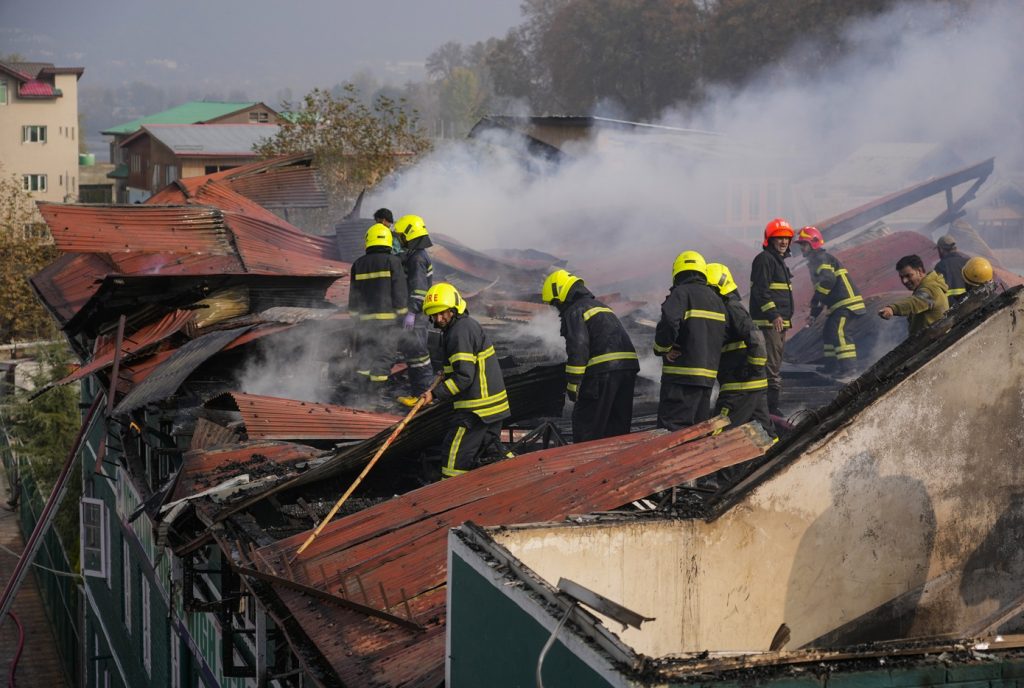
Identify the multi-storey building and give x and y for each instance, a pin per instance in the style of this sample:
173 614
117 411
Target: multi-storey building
39 133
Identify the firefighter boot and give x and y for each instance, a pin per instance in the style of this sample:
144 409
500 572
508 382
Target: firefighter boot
773 401
846 370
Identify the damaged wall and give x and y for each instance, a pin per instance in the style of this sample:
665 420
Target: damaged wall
904 522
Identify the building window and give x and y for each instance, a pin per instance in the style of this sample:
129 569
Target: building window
156 177
126 584
3 92
34 182
172 173
95 537
136 162
33 133
259 117
147 639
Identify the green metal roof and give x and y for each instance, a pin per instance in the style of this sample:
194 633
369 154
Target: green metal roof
119 172
187 113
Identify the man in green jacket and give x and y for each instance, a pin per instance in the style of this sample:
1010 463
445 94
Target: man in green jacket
928 300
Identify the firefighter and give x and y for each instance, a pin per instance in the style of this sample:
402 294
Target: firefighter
689 338
979 277
601 363
771 301
950 266
742 381
377 299
412 234
834 293
472 381
927 302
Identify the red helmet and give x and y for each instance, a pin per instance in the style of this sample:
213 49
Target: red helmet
812 236
777 228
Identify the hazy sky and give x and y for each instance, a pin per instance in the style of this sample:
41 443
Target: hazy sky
257 46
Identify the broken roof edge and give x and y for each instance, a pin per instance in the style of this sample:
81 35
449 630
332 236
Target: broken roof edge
885 375
606 654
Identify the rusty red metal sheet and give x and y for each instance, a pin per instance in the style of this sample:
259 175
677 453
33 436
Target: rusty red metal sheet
273 248
203 469
293 187
274 418
137 263
69 282
137 228
146 337
400 545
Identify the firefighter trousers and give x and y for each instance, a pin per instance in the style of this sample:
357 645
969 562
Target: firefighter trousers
743 406
412 344
375 352
837 342
604 405
467 439
681 406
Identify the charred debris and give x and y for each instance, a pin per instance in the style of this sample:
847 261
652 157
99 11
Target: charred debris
215 333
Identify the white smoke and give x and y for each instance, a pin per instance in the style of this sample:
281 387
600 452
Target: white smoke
921 73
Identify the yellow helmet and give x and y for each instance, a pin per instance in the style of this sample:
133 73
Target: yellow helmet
557 285
377 235
689 260
441 297
411 227
977 271
720 279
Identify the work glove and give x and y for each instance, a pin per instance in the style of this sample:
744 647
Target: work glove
409 322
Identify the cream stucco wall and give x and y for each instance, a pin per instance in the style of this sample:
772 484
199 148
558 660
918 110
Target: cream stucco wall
905 522
58 157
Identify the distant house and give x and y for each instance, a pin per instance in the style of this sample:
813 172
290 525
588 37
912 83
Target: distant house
39 127
158 154
194 112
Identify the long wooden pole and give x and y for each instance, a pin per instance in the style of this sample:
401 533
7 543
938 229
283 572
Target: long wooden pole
387 443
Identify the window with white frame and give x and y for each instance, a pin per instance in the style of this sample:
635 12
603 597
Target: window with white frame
136 161
172 173
147 639
259 117
156 176
34 182
126 584
95 537
33 133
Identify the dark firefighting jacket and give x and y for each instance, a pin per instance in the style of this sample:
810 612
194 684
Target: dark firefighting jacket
833 288
472 376
418 271
595 340
951 268
693 323
744 355
378 289
771 289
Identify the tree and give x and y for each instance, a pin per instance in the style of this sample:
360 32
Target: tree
445 60
354 145
462 100
25 248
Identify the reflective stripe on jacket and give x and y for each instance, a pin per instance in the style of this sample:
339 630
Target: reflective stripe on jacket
744 354
378 289
693 323
771 289
951 268
472 376
595 340
833 288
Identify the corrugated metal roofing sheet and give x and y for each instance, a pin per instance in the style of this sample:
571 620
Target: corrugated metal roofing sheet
66 284
294 187
187 113
204 140
399 546
34 88
205 468
164 381
133 343
274 418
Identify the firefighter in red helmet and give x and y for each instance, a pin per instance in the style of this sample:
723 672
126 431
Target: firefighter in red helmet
771 301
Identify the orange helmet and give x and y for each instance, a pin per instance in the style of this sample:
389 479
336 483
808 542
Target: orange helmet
812 236
777 228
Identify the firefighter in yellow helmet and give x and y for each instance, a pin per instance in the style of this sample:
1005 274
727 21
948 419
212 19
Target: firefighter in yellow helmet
689 338
377 300
979 278
472 381
742 381
411 232
601 364
771 300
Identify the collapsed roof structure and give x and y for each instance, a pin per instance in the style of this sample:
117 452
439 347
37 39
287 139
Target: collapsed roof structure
215 331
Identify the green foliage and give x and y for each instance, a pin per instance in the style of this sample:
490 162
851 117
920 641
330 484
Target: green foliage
25 248
462 100
42 432
355 144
